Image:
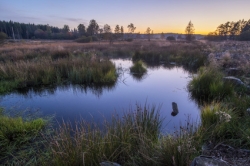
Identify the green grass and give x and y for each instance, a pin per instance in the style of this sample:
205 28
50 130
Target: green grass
222 124
21 141
58 68
190 56
127 140
138 68
181 147
208 85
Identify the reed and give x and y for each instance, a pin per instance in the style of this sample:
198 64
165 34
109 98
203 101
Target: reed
127 140
223 124
138 68
208 85
21 140
58 68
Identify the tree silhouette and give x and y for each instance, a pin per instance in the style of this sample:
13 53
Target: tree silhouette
65 28
148 32
131 28
92 28
108 33
189 31
117 31
81 29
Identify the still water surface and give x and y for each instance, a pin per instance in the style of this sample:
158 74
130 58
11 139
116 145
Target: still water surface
160 86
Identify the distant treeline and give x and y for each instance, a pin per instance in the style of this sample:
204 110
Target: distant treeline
92 32
239 30
32 31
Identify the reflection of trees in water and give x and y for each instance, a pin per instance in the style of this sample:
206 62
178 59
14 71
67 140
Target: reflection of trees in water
168 65
96 89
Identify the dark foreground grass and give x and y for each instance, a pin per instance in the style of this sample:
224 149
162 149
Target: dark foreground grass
133 139
22 140
224 115
128 140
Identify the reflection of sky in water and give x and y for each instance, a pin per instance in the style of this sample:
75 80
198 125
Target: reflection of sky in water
159 87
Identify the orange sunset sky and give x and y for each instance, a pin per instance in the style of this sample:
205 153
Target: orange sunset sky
160 15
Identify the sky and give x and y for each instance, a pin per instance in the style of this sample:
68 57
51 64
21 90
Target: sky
160 15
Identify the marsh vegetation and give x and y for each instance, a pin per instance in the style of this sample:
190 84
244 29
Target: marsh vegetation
135 138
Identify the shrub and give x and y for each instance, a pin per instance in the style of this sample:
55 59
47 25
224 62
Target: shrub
245 36
3 36
59 54
129 39
94 38
171 38
84 39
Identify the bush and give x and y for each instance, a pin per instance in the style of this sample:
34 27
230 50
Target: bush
3 36
60 54
129 39
245 36
84 39
171 38
94 38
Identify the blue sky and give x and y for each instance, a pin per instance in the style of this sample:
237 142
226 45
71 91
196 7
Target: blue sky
159 15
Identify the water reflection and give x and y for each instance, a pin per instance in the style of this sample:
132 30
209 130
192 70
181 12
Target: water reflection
96 89
138 76
160 86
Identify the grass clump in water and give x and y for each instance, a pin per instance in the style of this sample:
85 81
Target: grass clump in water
138 68
208 85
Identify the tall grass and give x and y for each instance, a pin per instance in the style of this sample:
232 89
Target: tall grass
190 56
181 147
138 68
128 140
222 124
60 67
208 85
21 140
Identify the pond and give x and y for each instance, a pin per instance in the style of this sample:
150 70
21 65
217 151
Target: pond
160 86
